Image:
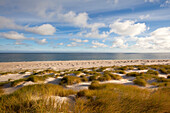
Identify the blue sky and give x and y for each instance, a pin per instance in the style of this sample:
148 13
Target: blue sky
85 26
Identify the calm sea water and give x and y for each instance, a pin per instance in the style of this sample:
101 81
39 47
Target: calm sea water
17 57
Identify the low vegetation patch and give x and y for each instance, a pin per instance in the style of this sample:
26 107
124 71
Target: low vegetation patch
140 82
17 82
106 98
152 72
31 99
69 80
120 71
133 74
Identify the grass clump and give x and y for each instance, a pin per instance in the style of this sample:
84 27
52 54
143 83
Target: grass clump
152 72
69 80
116 98
32 99
1 90
17 82
104 78
94 77
101 69
142 67
115 77
164 71
140 82
94 85
133 74
162 79
84 79
120 71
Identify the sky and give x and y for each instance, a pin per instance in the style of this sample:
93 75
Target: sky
114 26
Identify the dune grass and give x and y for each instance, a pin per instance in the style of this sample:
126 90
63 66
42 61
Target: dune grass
1 90
152 72
32 78
69 80
120 71
140 82
111 98
24 100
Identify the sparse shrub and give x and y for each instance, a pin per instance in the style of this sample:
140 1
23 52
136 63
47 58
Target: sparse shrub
164 84
123 68
152 72
17 82
140 82
1 90
102 78
115 77
156 67
162 79
107 76
81 93
147 76
35 78
154 83
84 79
77 72
94 77
101 69
69 80
120 71
163 70
133 74
140 67
94 85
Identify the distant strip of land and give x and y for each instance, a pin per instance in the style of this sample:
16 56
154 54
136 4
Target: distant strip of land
61 65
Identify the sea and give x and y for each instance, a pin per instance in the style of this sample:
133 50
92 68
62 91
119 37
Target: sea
26 57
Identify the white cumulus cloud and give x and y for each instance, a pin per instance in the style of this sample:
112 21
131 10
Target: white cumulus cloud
127 28
158 40
97 44
45 29
8 23
119 43
79 40
13 35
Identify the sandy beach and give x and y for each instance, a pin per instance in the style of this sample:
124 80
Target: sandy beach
61 65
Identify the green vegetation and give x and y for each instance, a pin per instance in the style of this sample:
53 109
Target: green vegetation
32 78
124 68
147 76
94 77
32 99
84 79
152 72
115 77
115 98
69 80
120 71
100 98
133 74
1 90
101 69
162 79
17 82
164 70
142 67
140 82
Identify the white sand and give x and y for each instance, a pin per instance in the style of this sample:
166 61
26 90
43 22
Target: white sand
61 65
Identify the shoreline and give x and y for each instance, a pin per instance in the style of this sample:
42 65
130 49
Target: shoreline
75 64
